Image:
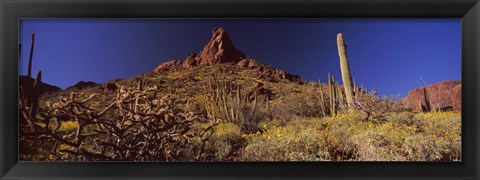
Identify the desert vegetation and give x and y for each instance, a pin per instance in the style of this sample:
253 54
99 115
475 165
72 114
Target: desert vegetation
229 112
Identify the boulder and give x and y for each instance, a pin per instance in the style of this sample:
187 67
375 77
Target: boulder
167 66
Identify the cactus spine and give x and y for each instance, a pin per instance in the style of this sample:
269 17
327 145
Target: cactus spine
31 56
346 76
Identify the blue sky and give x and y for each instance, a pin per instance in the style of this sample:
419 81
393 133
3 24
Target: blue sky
391 55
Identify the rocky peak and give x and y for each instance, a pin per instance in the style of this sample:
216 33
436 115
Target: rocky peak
219 49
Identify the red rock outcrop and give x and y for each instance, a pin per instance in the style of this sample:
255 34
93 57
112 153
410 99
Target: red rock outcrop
191 60
250 63
167 66
265 70
220 49
441 96
456 98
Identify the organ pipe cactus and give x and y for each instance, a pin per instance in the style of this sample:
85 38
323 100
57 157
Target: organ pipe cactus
332 93
346 76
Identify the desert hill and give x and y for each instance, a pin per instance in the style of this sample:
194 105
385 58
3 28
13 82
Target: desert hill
27 84
219 63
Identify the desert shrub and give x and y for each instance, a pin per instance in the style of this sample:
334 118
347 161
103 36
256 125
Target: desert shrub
381 142
406 117
338 131
403 136
226 141
375 107
297 102
440 138
295 142
423 147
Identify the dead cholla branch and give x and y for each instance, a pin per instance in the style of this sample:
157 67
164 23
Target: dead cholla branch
134 127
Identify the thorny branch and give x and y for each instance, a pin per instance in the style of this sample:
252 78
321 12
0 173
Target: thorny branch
153 129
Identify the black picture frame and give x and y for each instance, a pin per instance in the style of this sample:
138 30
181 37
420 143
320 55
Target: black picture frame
12 10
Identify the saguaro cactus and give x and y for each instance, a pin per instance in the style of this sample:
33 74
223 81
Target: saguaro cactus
31 56
427 101
345 68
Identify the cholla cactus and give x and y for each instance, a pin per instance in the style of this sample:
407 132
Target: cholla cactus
156 131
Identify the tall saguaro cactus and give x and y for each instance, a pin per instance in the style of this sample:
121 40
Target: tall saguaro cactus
31 56
345 68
